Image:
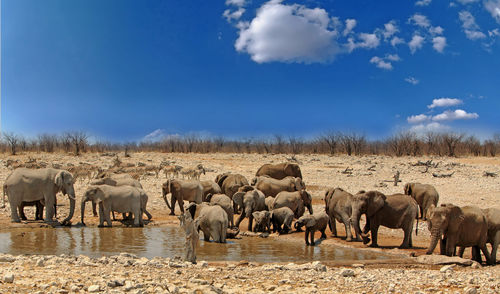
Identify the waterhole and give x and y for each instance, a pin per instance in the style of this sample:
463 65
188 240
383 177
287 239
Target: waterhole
168 242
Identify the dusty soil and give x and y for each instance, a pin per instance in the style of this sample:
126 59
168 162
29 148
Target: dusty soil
467 186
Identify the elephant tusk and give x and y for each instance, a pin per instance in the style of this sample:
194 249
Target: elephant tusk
72 197
365 235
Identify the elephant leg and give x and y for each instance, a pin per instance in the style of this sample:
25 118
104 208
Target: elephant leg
147 214
307 237
250 222
172 201
450 245
94 209
107 214
487 255
461 250
137 217
311 234
422 212
101 216
374 233
206 234
13 213
494 247
323 234
442 246
347 224
406 239
21 211
39 211
476 254
181 205
240 219
333 226
49 207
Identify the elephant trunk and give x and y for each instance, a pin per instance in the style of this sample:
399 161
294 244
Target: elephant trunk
164 195
310 208
435 236
355 219
72 201
82 211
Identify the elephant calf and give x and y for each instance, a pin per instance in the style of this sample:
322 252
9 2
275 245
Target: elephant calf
282 220
313 223
262 221
211 220
225 202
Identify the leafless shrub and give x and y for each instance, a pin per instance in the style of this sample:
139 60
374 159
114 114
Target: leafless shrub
451 142
78 139
331 139
13 141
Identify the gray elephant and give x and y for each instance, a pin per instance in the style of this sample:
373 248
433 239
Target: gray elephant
271 187
493 219
120 199
27 185
458 226
297 201
280 170
262 221
230 183
269 202
38 209
115 180
338 205
425 195
313 222
211 220
249 201
396 211
225 202
210 187
181 191
282 218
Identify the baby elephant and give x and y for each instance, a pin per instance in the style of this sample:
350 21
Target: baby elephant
313 223
262 221
282 220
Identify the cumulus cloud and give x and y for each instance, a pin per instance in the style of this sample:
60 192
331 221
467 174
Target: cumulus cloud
289 33
493 7
349 26
469 25
420 20
412 80
444 102
415 119
430 127
416 43
385 62
423 2
438 43
233 15
494 33
464 2
238 3
455 115
436 30
396 41
390 29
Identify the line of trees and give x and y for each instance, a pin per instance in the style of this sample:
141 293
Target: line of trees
401 144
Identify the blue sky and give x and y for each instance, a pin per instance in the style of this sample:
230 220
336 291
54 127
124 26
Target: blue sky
122 69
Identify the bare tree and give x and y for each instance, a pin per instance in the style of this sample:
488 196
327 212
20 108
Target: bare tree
47 143
296 144
78 139
346 142
279 143
451 141
332 140
473 145
13 142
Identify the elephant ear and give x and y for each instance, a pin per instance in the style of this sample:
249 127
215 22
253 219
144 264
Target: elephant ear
59 180
299 184
306 197
456 215
376 201
192 209
99 194
209 197
310 221
288 169
254 181
238 198
221 178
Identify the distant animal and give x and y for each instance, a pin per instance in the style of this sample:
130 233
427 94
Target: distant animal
193 172
280 170
171 171
262 221
313 223
425 195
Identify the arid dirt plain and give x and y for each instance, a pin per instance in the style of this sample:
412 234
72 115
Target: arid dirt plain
126 273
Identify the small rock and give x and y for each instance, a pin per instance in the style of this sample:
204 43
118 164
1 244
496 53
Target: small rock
358 265
271 288
447 268
243 262
470 290
128 286
94 288
475 265
8 278
347 272
203 263
40 262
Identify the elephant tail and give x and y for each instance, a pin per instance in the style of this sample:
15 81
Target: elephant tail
416 228
3 196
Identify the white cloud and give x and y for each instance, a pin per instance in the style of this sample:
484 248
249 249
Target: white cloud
436 30
430 127
238 3
494 33
390 29
415 119
444 102
464 2
469 25
288 33
369 40
381 63
423 2
416 43
412 80
349 26
235 15
385 62
493 7
420 20
396 41
156 135
438 43
455 115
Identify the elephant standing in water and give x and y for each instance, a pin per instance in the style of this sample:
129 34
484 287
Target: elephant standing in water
211 219
458 226
338 206
280 170
27 185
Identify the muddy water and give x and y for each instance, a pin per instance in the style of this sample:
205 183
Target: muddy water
167 242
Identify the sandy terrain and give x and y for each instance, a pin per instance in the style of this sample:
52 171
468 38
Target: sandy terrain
467 186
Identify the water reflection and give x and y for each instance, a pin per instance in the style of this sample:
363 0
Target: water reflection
167 242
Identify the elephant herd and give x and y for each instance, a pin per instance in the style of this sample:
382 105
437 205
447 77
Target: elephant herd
271 202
